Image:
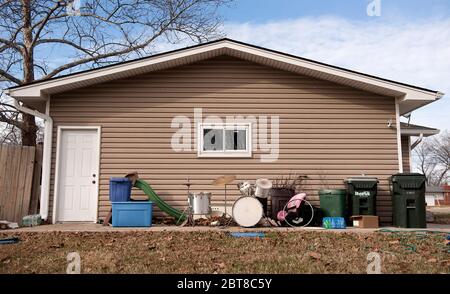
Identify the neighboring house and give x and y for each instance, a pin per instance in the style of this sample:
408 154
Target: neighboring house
446 195
434 196
102 123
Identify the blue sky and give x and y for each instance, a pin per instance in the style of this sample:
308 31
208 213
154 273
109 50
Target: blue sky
409 42
267 10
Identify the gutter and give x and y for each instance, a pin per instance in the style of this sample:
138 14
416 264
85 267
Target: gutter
47 153
399 136
417 142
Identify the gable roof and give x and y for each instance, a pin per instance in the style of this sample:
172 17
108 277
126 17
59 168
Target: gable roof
410 97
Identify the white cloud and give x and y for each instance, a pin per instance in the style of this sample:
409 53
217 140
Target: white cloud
412 52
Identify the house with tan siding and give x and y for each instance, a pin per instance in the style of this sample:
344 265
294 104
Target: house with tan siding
219 108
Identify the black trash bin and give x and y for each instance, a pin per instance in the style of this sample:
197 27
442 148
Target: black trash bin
408 200
278 198
362 194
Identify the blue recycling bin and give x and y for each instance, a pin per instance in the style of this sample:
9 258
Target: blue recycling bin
119 189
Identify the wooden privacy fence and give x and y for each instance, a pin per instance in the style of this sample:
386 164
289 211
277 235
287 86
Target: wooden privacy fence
20 172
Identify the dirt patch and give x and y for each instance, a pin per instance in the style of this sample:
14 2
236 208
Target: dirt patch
218 252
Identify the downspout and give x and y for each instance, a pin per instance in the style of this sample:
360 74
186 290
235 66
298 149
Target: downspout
414 145
46 154
399 138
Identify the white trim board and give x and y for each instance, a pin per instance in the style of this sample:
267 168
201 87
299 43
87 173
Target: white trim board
399 137
57 167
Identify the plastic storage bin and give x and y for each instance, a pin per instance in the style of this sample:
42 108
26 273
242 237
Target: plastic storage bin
362 193
408 200
119 189
332 202
132 214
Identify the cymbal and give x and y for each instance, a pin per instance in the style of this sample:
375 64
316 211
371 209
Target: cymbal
224 180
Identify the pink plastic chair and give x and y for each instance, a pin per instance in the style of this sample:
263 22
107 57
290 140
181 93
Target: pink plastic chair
296 201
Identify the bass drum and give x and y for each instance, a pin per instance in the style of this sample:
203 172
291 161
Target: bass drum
247 211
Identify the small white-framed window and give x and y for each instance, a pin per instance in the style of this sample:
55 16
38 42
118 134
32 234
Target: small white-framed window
224 140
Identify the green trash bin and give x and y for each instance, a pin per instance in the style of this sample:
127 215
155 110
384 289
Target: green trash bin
332 202
362 194
408 200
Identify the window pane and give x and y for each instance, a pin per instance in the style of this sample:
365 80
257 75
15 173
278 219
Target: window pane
235 140
212 140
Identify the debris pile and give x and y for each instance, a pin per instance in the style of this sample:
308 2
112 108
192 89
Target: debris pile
215 221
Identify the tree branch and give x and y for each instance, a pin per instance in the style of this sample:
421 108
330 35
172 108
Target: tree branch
41 24
101 56
13 122
163 29
12 44
7 105
63 41
10 77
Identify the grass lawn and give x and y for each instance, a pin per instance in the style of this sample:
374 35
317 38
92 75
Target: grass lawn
218 252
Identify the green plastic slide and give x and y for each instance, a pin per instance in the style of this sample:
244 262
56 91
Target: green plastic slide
152 196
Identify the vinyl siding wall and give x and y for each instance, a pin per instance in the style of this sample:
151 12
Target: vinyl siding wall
327 131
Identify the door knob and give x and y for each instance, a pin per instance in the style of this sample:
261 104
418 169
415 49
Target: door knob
93 175
93 182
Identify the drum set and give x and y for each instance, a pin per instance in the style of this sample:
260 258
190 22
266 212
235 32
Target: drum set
251 207
247 211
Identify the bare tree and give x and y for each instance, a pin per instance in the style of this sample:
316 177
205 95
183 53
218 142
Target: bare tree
432 158
89 33
10 134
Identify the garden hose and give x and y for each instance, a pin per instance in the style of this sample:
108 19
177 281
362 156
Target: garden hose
419 234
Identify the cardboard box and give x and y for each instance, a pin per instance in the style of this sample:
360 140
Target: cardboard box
365 221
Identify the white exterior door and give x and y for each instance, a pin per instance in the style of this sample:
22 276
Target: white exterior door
77 175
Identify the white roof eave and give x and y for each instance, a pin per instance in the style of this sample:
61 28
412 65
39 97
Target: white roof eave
418 132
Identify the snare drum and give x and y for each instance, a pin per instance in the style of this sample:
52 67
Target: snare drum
247 211
200 203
